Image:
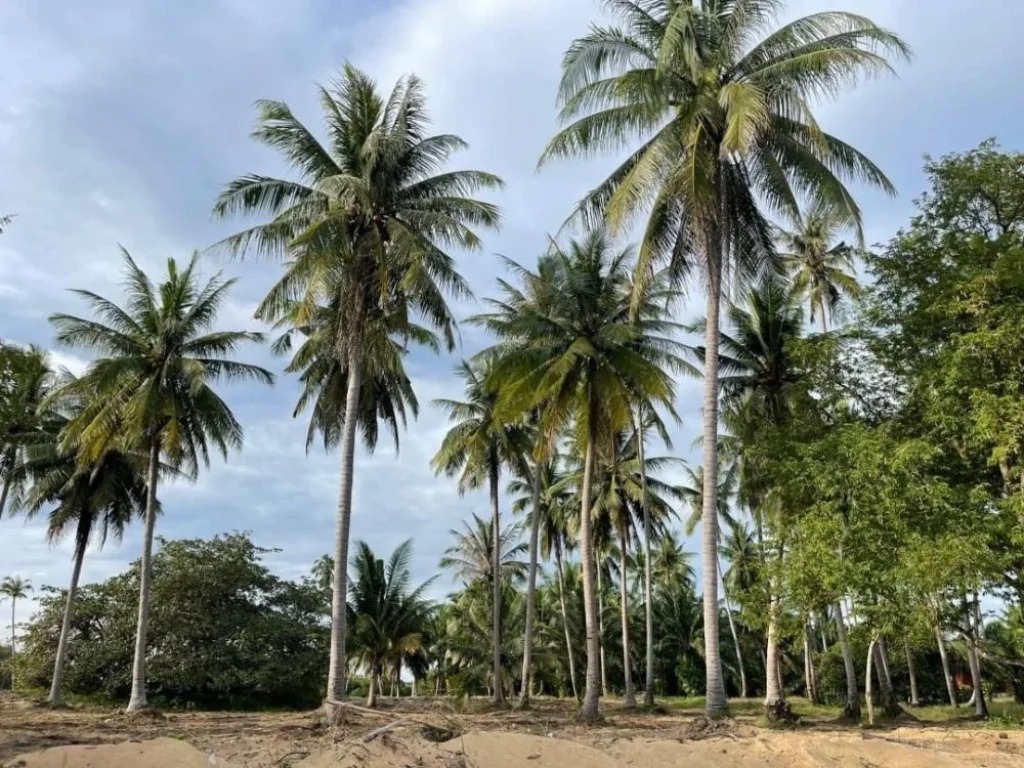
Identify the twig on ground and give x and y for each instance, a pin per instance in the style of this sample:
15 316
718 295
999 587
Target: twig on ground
384 729
298 753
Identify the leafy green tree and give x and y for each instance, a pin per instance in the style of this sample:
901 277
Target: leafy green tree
720 105
477 447
364 231
225 632
387 616
151 390
14 588
25 381
568 350
97 500
822 270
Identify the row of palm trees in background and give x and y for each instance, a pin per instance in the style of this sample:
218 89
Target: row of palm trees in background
714 104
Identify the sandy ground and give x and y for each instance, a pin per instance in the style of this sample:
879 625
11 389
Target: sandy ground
429 735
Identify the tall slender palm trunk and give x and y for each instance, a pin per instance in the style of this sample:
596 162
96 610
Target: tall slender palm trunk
886 695
499 695
774 698
867 681
591 695
336 682
565 619
914 698
531 592
56 698
946 674
810 675
971 618
600 629
716 702
629 697
735 636
138 698
6 490
648 581
852 707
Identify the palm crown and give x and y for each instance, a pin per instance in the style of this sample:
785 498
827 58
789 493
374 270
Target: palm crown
820 267
721 107
159 358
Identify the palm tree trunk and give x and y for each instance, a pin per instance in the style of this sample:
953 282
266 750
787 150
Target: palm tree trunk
867 682
565 619
336 682
589 709
978 698
648 586
531 592
735 636
14 603
886 697
950 685
852 706
371 696
914 699
56 698
138 698
600 630
810 675
715 702
629 698
499 695
774 699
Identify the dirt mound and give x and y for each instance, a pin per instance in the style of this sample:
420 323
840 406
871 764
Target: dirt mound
158 753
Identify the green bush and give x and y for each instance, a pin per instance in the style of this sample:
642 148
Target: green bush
224 632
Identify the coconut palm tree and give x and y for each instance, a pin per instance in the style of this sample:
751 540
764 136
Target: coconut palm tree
716 107
728 482
98 500
25 380
568 350
151 391
387 616
14 588
471 558
821 269
619 506
5 222
364 229
477 447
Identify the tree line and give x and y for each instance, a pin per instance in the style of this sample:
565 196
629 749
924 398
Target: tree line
863 480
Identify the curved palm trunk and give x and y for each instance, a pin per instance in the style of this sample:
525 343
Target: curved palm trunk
600 629
336 683
716 702
867 681
950 685
56 698
499 696
565 619
648 588
629 698
735 636
589 709
531 593
914 699
138 698
852 707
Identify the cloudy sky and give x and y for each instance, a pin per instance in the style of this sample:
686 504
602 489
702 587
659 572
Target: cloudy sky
120 121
